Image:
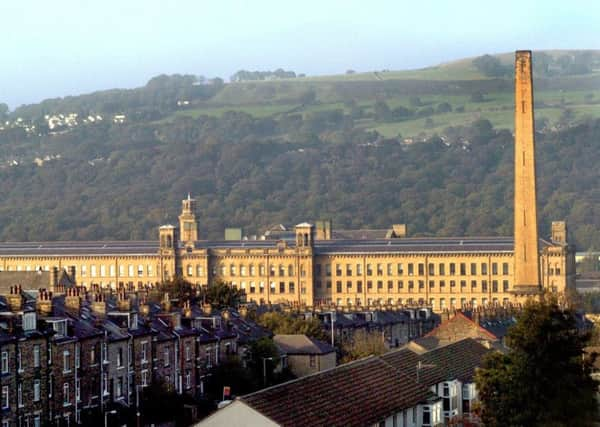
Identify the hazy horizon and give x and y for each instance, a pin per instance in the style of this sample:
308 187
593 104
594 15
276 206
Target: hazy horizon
70 48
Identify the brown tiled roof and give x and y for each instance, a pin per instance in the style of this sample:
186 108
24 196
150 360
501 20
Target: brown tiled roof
407 361
356 394
459 360
453 361
428 342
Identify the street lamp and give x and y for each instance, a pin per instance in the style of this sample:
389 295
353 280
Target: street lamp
137 404
332 320
106 416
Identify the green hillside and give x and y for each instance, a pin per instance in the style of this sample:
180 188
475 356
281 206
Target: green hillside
431 148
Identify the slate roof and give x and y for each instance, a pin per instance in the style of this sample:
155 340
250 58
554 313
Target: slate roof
79 248
30 280
496 326
352 245
356 394
301 344
360 234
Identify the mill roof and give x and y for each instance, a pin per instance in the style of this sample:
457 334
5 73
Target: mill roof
402 245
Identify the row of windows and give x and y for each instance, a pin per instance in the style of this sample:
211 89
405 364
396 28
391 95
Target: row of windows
389 269
397 269
130 270
6 394
433 302
276 287
68 363
250 270
399 285
124 271
4 360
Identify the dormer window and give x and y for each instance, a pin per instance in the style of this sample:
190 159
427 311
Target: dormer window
133 321
59 327
29 321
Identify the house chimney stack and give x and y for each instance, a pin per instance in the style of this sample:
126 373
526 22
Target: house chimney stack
73 299
44 302
15 299
98 305
123 301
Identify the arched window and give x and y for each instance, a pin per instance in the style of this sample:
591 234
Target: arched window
252 270
281 270
169 242
290 270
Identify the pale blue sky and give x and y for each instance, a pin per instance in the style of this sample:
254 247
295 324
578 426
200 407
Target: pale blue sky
57 48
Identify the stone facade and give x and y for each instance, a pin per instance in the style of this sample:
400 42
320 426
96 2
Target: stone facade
441 273
306 364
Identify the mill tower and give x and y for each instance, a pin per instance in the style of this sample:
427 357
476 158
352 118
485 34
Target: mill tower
526 251
188 226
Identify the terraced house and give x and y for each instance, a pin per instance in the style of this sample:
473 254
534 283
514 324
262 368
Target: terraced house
70 358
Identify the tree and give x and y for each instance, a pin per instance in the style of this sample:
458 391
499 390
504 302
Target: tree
477 97
232 373
362 344
444 107
308 97
180 289
264 357
280 323
222 295
3 111
382 111
160 404
543 380
489 65
415 101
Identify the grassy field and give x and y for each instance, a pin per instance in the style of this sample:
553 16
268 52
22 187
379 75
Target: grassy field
272 98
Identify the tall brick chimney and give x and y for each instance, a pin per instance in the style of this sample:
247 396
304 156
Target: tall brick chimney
526 251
